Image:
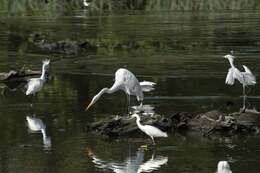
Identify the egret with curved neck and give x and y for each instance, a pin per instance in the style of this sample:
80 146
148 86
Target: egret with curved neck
126 81
35 84
246 78
151 131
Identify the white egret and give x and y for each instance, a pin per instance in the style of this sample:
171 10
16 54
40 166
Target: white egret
246 78
36 125
148 129
126 81
223 167
35 84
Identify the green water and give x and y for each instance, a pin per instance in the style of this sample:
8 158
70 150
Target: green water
180 51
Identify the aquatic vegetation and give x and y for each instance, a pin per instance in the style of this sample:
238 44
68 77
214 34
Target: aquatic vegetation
55 8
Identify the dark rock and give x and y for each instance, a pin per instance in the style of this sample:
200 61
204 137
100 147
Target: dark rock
62 46
211 122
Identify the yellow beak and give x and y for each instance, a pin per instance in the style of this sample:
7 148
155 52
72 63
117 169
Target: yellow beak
88 107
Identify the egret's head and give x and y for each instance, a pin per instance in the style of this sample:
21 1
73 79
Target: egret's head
46 64
223 166
229 56
96 97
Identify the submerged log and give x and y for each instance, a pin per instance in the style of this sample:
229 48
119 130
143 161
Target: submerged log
20 75
62 46
204 123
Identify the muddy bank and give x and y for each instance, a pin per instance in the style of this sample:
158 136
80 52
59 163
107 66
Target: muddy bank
204 123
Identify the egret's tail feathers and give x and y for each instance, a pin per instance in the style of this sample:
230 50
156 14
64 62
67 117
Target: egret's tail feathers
147 86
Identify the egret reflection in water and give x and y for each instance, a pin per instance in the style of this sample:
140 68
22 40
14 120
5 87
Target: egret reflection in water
35 125
132 164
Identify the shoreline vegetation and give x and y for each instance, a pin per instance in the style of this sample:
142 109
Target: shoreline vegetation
55 8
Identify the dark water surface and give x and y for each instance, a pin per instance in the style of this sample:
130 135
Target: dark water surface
180 51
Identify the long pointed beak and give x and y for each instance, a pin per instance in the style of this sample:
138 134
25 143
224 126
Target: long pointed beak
90 104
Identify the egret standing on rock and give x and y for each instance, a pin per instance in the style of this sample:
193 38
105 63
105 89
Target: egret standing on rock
151 131
126 81
35 84
246 78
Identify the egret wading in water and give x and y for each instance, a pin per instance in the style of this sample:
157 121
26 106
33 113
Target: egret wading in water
246 78
35 84
151 131
126 81
223 167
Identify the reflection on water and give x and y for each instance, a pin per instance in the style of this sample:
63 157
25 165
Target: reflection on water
132 164
35 125
180 51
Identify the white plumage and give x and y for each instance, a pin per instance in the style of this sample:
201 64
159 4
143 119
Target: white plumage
36 125
35 84
246 78
223 167
147 86
126 81
151 131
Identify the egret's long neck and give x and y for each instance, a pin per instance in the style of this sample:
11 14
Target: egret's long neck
43 73
44 136
138 122
231 62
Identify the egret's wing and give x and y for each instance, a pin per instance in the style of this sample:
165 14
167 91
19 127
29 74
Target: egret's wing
153 164
247 70
147 86
130 83
33 86
249 78
153 131
238 75
230 80
147 83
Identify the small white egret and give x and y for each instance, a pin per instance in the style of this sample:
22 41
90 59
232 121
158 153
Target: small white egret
36 125
246 78
223 167
126 81
35 84
148 129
